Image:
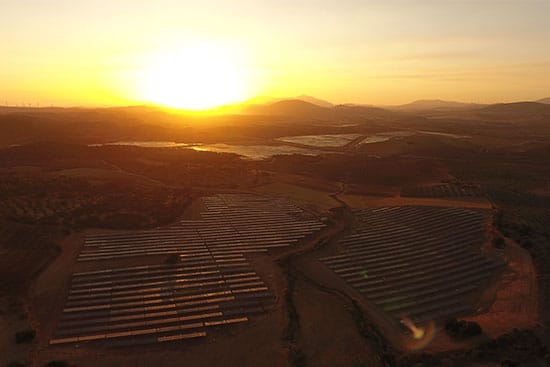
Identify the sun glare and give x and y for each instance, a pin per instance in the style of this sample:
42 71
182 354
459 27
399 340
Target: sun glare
196 78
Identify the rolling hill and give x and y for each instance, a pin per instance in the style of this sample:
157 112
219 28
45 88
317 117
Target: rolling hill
436 104
517 110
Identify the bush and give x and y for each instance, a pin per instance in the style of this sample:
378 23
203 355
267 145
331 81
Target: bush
16 364
58 364
509 363
528 244
524 229
25 336
499 243
462 329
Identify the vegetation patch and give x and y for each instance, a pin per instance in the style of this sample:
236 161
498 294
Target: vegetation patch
58 363
16 364
25 336
462 329
517 348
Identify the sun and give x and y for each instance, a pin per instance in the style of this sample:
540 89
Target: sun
197 77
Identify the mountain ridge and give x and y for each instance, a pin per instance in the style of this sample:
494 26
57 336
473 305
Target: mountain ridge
436 104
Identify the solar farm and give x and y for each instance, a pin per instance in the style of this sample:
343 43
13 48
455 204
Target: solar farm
443 191
212 285
418 262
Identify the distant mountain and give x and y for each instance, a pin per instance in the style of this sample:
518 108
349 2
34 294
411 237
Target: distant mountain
315 101
517 110
436 104
544 100
365 111
289 107
304 98
302 109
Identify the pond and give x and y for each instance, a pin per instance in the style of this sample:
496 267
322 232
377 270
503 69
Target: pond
145 144
385 136
325 140
255 152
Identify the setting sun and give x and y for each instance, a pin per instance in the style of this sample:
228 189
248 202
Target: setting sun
197 77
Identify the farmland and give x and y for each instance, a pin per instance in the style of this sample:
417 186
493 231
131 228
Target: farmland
76 202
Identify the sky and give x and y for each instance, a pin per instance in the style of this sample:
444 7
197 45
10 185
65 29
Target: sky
101 52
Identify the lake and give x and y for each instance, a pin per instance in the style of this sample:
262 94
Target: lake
325 140
145 144
255 152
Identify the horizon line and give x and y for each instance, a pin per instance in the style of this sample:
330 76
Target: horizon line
249 101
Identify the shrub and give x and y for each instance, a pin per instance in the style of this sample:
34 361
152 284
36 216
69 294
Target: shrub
462 329
524 229
499 243
509 363
528 244
16 364
24 336
58 364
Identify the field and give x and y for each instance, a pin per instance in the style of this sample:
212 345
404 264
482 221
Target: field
75 201
24 247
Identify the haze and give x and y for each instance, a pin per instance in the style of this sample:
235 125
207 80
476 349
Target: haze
99 53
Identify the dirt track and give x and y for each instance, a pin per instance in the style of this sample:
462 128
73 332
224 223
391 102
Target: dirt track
322 316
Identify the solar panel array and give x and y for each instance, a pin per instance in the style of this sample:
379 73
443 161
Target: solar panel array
212 285
247 223
416 261
236 223
443 191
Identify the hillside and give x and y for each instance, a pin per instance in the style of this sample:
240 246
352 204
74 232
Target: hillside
290 107
517 110
315 101
436 104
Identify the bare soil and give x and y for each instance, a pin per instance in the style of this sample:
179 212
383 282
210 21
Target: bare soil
12 320
514 300
328 335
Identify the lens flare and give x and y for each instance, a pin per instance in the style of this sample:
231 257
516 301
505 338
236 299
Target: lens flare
417 332
421 336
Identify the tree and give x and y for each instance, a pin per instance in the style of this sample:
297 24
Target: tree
462 329
24 336
499 242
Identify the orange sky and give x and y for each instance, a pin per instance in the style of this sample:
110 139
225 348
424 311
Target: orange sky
71 52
